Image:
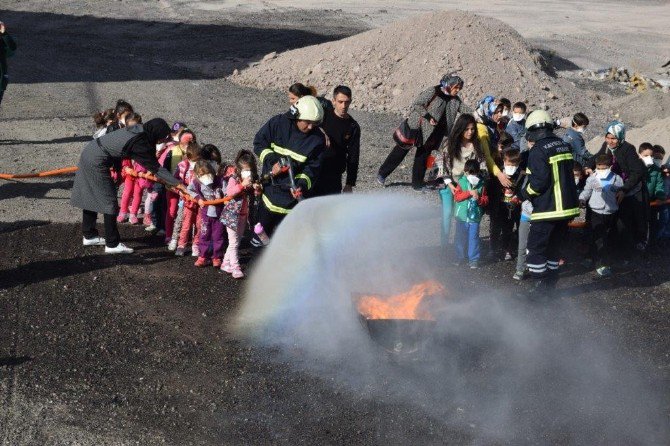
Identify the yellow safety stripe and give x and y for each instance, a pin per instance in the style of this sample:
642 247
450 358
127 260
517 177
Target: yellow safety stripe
306 178
264 153
531 191
273 208
288 152
566 213
561 157
554 160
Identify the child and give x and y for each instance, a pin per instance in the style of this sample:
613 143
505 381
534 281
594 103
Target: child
510 210
580 177
470 197
600 193
236 211
664 210
516 126
655 186
575 138
133 188
206 185
523 231
171 162
102 120
185 220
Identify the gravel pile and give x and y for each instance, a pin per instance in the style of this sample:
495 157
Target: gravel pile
387 67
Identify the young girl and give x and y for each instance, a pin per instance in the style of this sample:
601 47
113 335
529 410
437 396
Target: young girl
470 197
102 120
185 220
206 185
171 162
236 211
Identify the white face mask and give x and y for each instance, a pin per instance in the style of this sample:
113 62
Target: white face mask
577 180
245 174
160 147
648 161
122 122
207 179
658 162
191 164
603 173
505 113
472 179
510 170
580 129
175 138
518 117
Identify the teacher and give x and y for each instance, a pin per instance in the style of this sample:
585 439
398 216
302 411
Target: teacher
94 190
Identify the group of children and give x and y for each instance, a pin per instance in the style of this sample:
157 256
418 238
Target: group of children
212 232
477 193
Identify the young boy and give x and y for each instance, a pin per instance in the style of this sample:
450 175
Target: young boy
510 209
516 126
575 137
663 211
655 186
600 193
580 177
470 198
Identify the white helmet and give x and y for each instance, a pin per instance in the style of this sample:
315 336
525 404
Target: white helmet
308 108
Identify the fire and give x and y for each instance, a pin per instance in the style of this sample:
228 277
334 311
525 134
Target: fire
400 306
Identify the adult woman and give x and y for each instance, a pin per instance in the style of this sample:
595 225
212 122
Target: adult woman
633 197
463 144
298 90
94 190
433 113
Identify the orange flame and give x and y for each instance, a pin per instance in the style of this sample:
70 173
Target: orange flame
400 306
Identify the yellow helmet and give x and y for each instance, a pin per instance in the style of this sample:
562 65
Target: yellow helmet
539 119
308 108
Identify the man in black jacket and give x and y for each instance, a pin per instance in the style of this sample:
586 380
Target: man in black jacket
633 197
344 134
551 190
7 48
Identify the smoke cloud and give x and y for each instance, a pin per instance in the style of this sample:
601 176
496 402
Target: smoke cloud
499 367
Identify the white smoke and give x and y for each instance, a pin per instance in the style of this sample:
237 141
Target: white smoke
500 368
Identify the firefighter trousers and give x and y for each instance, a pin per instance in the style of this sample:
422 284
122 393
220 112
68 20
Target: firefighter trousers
544 243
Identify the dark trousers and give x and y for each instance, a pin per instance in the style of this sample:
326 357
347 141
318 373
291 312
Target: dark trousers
327 185
633 215
2 93
270 220
158 211
603 234
88 227
654 226
503 222
544 242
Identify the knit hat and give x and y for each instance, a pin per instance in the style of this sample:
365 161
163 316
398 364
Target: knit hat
618 129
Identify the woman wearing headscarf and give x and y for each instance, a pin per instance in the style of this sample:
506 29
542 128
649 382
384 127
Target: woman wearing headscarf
633 197
433 115
95 191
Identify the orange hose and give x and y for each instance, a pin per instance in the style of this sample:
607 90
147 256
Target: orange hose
46 173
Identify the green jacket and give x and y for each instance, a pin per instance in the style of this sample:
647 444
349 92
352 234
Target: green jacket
466 208
7 48
655 183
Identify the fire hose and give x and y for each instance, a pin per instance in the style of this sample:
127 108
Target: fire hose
46 173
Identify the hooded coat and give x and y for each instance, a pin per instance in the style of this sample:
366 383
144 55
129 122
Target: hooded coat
94 189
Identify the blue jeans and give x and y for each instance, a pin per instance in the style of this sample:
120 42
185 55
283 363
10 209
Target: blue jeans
467 241
447 199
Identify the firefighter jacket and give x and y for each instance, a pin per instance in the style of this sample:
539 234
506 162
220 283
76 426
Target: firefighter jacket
281 138
550 185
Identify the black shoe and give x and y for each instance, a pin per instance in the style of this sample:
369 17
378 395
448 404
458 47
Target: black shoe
256 242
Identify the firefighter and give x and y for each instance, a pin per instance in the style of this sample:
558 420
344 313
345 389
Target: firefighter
551 189
292 137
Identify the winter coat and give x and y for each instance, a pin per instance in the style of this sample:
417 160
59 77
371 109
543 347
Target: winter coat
601 194
655 183
628 165
516 129
576 142
93 188
212 192
433 103
7 49
468 209
281 138
551 184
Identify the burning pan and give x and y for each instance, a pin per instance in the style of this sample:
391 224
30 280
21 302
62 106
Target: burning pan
399 336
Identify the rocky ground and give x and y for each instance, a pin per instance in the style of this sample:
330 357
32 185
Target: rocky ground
109 350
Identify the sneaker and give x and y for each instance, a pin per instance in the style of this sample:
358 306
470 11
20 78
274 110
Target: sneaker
133 219
604 271
180 251
121 217
508 256
237 273
119 249
256 242
160 232
202 261
519 275
195 251
150 228
474 265
381 180
146 220
226 268
172 245
95 241
216 263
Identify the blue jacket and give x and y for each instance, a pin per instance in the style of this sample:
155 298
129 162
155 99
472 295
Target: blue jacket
576 142
516 129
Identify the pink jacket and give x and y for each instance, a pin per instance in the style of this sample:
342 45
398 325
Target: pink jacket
234 188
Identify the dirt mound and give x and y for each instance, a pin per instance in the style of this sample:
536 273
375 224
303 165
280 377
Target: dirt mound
388 66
